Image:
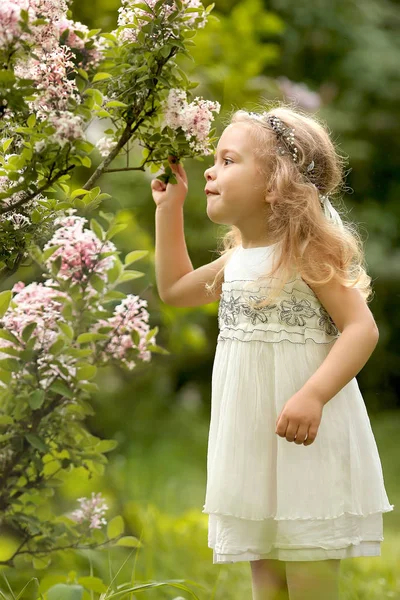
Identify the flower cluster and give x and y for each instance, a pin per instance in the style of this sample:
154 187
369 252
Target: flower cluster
34 303
51 76
105 145
91 511
68 128
10 24
80 251
78 36
193 118
129 316
132 17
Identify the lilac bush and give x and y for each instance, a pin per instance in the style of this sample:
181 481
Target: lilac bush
57 77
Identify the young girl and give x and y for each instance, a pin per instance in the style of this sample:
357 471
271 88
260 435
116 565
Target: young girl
294 478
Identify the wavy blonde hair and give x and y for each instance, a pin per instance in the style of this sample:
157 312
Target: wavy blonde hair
310 246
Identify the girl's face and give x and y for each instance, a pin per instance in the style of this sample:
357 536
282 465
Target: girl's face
239 185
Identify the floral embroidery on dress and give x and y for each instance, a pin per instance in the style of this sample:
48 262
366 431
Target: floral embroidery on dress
327 323
229 310
295 312
254 313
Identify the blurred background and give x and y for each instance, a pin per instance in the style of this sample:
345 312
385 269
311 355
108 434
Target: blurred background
339 58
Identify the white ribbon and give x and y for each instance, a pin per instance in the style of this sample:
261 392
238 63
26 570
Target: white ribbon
330 212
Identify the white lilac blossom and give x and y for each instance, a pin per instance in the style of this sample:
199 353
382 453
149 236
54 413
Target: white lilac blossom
68 128
91 511
132 17
193 118
131 315
105 145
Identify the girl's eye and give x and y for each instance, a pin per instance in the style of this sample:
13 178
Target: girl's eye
227 159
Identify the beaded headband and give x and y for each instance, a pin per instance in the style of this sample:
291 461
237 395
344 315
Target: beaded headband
285 136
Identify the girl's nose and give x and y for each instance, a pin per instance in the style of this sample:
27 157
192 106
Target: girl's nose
207 174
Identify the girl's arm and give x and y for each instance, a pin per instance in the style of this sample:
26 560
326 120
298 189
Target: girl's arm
358 339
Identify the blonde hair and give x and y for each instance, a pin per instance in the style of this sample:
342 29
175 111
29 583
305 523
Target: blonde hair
310 245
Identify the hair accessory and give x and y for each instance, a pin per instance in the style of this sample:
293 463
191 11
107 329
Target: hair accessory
286 137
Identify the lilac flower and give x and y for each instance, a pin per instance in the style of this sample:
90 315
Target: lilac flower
194 118
91 511
128 316
79 252
69 127
105 145
131 14
300 93
91 56
34 303
10 28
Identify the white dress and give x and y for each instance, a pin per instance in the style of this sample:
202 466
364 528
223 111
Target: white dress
267 497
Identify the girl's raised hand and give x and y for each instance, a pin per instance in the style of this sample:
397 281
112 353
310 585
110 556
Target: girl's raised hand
171 193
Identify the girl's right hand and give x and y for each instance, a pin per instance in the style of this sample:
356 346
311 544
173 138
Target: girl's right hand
171 193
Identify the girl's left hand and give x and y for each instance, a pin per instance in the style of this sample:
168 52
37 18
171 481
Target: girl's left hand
300 418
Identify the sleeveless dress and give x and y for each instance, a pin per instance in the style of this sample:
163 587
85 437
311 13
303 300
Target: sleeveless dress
267 497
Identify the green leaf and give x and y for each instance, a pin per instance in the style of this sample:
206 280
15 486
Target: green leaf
5 299
114 229
6 420
134 256
94 584
27 331
86 161
157 349
79 192
106 446
129 541
7 335
67 329
7 144
97 229
115 527
50 251
129 275
62 591
86 372
91 337
10 364
31 121
36 442
62 388
36 399
101 77
116 103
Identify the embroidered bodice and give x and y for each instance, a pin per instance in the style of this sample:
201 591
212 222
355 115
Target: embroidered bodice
296 314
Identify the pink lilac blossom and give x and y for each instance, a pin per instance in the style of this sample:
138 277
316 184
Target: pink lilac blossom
193 118
130 14
51 75
91 56
69 128
46 9
10 28
79 252
105 145
300 93
130 315
34 303
91 511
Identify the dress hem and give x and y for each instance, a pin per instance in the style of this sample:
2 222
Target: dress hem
300 518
